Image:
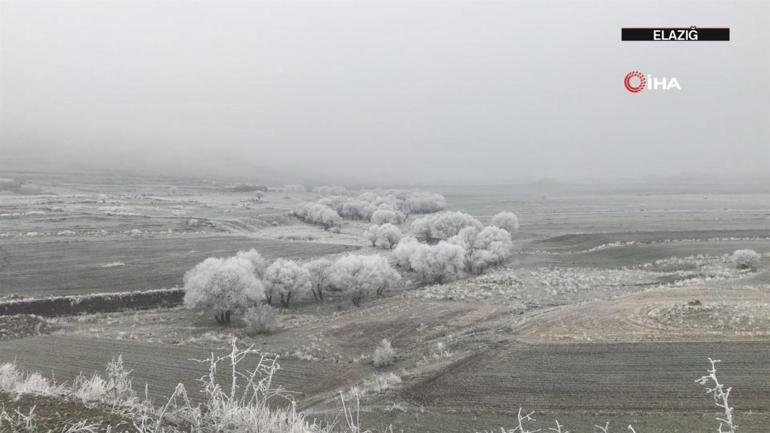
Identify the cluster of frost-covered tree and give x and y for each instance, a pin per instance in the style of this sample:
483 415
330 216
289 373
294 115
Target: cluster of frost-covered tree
385 236
240 285
483 248
378 207
317 213
455 243
443 225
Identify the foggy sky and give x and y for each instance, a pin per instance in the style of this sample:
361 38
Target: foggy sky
382 91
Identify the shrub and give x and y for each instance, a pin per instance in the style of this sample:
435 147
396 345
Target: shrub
384 354
222 286
260 319
443 226
115 389
746 259
286 279
507 221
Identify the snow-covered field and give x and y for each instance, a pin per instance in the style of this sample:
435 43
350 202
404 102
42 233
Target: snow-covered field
618 270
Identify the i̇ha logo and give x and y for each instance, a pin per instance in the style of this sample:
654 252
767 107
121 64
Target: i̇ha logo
635 82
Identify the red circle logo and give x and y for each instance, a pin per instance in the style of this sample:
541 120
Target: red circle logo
635 82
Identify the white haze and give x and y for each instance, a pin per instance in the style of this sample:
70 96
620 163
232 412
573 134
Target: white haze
381 91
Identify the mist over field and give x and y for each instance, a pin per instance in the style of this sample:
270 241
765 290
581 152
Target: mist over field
302 216
394 92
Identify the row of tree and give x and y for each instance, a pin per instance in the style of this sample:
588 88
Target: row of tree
379 207
233 285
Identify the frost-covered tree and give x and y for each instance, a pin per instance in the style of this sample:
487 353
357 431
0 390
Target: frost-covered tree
492 246
285 279
372 234
318 271
404 250
444 225
424 202
254 259
389 235
221 287
506 221
386 235
437 263
316 213
386 214
359 276
746 259
356 209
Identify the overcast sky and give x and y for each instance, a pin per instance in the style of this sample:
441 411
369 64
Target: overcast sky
382 91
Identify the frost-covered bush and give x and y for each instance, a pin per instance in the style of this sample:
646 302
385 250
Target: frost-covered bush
507 221
116 388
359 276
386 235
442 226
260 319
258 195
434 263
317 213
384 354
222 286
318 272
285 279
746 259
16 382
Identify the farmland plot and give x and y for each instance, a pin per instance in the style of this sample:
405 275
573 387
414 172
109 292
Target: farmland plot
63 268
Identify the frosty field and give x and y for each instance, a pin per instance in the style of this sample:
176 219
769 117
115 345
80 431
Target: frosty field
608 309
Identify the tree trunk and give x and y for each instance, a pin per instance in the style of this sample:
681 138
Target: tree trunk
285 302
